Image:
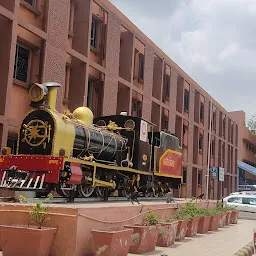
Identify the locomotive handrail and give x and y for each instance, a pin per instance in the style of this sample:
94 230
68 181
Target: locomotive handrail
120 221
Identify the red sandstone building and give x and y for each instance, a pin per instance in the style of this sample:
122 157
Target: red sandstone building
246 153
105 62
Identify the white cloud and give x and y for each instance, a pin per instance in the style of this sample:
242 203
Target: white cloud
214 41
229 51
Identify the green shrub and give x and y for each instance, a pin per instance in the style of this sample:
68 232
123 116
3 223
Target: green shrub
150 219
38 213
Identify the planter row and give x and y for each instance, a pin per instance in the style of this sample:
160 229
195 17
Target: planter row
142 239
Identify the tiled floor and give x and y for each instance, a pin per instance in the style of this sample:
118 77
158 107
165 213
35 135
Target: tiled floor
224 242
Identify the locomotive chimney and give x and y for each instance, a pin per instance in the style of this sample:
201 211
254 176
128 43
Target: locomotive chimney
52 94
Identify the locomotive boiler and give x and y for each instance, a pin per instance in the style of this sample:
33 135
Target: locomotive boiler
77 155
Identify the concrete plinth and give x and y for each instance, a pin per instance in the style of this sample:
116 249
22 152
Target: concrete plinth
75 221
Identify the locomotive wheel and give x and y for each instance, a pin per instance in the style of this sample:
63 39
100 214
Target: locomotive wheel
85 190
126 192
100 191
64 192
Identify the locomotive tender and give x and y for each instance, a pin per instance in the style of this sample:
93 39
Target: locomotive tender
78 155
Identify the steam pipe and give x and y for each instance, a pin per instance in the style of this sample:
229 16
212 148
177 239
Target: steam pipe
52 94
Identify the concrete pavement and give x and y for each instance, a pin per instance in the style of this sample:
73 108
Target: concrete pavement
226 241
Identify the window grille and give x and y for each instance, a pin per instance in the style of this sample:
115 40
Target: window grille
186 100
93 34
21 63
30 2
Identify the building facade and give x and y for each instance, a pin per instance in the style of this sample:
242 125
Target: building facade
105 62
246 152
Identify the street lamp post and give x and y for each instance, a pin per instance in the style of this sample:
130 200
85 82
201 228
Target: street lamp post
209 154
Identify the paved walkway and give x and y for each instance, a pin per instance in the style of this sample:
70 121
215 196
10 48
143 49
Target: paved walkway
224 242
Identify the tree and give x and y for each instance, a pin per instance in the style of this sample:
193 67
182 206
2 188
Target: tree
252 124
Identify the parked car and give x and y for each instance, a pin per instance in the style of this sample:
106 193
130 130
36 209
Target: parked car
242 201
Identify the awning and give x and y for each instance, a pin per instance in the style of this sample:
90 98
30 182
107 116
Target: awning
246 167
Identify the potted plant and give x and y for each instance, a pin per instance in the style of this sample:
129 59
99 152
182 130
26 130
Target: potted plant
40 238
215 219
204 221
228 211
107 238
167 231
182 219
144 235
234 215
191 210
222 215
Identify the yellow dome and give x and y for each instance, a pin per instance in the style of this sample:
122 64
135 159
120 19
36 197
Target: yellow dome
84 115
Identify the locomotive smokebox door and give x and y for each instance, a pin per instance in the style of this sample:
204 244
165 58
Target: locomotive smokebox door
136 131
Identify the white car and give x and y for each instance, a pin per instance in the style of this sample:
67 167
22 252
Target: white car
242 201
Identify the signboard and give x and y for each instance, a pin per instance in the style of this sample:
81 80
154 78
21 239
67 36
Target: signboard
143 131
214 171
221 174
170 163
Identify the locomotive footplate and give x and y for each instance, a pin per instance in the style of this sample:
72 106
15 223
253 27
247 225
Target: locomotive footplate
29 173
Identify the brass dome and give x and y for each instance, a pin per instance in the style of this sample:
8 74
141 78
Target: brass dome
84 115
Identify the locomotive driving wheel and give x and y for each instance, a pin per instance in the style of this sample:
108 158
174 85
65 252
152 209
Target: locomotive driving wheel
85 190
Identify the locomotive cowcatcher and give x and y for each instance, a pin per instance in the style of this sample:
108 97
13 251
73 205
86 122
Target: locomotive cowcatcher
79 156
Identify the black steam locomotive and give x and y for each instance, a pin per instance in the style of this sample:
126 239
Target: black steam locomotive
78 155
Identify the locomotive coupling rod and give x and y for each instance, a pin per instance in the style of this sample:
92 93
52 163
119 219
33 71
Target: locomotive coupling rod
102 183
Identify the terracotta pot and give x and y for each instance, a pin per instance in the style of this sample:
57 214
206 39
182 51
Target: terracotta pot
203 225
18 240
222 220
214 222
143 239
234 216
228 218
112 241
167 234
181 230
192 226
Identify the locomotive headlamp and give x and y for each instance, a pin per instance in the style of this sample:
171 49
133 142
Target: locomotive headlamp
37 92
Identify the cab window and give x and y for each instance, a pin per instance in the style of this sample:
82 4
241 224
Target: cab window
251 201
237 200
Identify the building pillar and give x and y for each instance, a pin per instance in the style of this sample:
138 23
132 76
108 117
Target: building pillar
56 45
112 65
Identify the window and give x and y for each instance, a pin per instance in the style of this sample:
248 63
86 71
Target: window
94 34
201 111
12 143
223 152
167 87
201 142
184 175
141 67
232 131
21 63
186 100
199 178
95 96
224 127
251 201
30 2
137 108
213 148
214 119
165 124
236 200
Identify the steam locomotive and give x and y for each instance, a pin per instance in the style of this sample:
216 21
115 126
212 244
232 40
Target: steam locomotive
78 155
